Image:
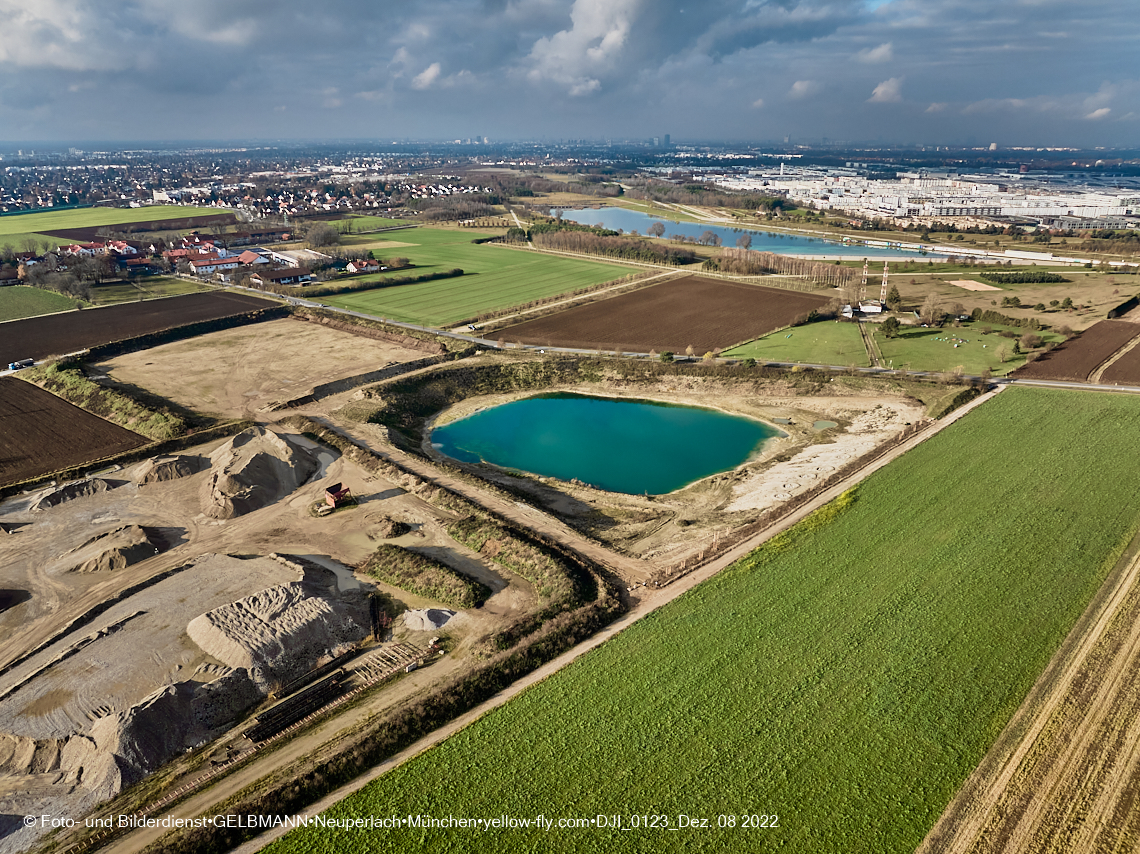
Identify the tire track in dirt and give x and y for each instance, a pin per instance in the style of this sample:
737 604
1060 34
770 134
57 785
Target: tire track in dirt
1098 372
1063 775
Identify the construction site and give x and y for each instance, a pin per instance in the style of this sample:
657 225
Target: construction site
184 623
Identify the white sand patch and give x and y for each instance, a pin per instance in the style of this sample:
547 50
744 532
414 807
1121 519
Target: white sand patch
427 619
966 284
806 469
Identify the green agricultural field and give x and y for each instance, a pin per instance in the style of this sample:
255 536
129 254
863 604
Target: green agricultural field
495 277
18 301
364 222
143 288
15 229
921 349
846 677
825 342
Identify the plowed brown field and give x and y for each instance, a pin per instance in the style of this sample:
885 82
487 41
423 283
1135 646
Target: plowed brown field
1125 370
706 314
70 331
1078 357
41 433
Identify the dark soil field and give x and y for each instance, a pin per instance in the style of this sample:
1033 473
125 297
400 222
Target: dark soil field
1125 370
42 433
1078 357
706 314
71 331
90 233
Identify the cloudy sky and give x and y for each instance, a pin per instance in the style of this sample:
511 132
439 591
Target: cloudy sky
1016 72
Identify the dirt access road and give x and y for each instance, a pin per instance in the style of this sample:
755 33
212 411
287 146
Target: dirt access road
642 607
1065 774
630 569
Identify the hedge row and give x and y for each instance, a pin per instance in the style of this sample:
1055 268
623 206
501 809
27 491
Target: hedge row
425 576
308 291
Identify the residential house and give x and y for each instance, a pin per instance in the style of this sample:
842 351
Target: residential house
288 276
368 265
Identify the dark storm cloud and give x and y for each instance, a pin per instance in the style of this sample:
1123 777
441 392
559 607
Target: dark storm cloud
1022 71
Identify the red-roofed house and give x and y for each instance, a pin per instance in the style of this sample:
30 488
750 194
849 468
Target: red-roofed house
368 265
250 258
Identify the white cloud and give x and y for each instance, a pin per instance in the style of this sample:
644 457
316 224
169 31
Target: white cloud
803 88
57 34
234 33
995 105
426 77
937 107
875 55
887 92
758 103
578 57
1099 114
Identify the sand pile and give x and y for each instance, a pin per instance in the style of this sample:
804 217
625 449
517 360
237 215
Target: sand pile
75 759
427 619
252 470
279 632
387 528
162 469
144 736
115 549
78 489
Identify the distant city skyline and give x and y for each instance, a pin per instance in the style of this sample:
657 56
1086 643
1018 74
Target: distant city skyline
958 72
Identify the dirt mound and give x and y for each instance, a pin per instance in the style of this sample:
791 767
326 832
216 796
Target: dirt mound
161 469
386 528
11 598
428 619
252 470
116 549
70 491
281 631
145 735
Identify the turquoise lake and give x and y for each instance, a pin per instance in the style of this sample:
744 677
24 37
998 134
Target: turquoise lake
621 445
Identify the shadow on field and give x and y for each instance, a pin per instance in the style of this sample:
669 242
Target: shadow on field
194 420
12 598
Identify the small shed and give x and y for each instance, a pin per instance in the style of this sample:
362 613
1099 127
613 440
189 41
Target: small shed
336 495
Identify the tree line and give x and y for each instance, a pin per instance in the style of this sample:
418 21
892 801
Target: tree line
1023 277
705 195
614 247
745 262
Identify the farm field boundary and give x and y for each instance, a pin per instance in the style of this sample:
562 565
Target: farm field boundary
85 223
692 311
1062 774
1080 357
42 433
138 324
18 302
92 466
493 280
864 669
